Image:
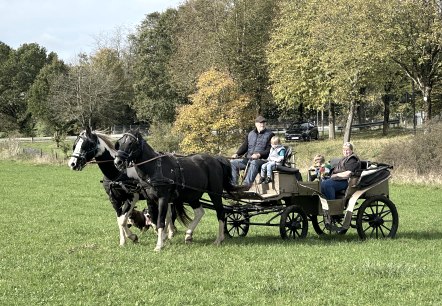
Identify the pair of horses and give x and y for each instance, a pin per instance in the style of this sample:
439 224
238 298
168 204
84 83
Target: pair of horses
133 170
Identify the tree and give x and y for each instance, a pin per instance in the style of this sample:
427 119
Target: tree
90 92
38 98
18 71
411 33
323 55
153 45
198 42
246 34
212 122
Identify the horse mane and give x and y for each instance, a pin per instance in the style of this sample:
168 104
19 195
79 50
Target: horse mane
107 140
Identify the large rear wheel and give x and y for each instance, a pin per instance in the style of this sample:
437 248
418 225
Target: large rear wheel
294 223
377 218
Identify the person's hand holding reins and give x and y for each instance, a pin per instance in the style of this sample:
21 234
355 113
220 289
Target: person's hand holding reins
256 156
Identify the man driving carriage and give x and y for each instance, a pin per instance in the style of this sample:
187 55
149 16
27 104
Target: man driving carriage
257 147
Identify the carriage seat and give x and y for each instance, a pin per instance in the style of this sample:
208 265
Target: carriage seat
287 164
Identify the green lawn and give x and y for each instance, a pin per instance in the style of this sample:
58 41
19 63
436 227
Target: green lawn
59 246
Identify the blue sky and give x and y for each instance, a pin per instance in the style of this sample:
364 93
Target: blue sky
69 27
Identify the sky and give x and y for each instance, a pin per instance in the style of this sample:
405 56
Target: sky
69 27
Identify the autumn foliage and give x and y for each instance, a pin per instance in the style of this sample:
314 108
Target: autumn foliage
213 121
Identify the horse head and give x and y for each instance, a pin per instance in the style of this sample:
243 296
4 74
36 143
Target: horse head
129 148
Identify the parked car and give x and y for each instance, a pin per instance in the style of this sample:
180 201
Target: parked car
302 131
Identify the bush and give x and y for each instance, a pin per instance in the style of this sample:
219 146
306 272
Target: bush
418 156
162 139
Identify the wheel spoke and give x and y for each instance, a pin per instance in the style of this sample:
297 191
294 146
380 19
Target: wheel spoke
373 229
387 212
382 232
382 210
386 228
368 227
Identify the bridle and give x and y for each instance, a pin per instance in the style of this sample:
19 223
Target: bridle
128 158
82 155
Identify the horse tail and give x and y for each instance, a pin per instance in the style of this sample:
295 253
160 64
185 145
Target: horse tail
181 213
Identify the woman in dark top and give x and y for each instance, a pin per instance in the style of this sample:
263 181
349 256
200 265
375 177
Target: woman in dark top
341 173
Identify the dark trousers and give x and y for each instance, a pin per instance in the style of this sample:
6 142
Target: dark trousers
329 187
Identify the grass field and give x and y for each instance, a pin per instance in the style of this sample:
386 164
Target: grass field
59 246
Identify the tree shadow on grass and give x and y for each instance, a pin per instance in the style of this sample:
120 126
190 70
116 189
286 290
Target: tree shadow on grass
419 235
327 239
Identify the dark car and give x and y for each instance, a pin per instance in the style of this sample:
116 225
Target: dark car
302 131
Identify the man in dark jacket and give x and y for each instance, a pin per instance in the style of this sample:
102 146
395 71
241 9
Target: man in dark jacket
256 146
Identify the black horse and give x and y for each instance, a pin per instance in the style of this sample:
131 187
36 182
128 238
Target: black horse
177 179
123 191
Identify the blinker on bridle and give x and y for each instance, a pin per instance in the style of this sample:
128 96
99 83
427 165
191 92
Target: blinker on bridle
123 154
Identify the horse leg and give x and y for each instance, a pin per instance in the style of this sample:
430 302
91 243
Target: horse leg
217 202
162 215
125 232
198 214
169 223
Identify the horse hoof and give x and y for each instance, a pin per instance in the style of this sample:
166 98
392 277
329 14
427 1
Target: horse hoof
134 238
157 249
217 242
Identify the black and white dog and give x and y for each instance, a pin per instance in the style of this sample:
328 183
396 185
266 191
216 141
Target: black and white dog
143 219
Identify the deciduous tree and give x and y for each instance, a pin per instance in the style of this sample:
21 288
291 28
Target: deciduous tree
213 121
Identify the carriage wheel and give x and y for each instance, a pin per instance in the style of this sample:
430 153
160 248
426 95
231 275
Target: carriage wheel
237 224
377 218
319 225
294 223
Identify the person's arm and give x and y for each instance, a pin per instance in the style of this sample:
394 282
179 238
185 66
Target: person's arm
242 149
341 175
281 154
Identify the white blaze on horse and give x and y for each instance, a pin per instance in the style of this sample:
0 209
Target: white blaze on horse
177 179
121 186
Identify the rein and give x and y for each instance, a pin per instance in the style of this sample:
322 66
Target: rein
148 161
100 161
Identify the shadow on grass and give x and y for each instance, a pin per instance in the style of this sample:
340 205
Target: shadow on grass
418 235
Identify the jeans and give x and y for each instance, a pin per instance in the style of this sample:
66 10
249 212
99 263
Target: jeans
267 168
329 187
252 169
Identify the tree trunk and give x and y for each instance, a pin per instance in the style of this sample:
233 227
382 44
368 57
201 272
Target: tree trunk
386 125
347 133
426 92
331 120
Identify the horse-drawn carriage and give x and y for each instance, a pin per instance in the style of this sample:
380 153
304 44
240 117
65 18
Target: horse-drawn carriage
164 178
291 203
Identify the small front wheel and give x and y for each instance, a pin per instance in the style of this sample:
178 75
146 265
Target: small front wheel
377 218
318 224
237 224
294 223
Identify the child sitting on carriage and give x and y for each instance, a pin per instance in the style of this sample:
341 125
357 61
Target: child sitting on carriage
320 169
276 157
